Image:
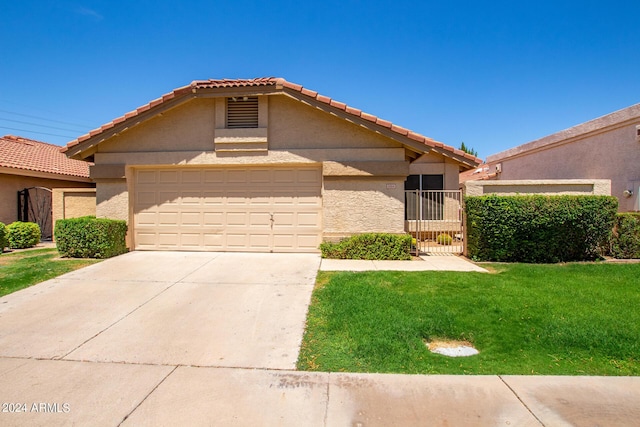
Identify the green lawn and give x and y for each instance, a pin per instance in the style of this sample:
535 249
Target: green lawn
568 319
20 270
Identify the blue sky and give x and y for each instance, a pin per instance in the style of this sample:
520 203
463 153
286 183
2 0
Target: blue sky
492 74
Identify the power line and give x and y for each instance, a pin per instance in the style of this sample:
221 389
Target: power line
37 124
40 133
45 119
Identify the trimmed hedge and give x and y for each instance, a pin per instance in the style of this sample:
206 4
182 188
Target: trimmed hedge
3 237
21 235
539 229
371 246
90 237
626 236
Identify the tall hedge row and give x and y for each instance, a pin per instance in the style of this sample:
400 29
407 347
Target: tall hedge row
626 236
90 237
539 229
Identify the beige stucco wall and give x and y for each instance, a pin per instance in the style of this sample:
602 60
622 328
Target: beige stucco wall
355 205
188 127
549 187
436 164
10 184
606 153
73 203
363 187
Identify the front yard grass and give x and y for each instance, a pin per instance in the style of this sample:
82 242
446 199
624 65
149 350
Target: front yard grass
22 269
567 319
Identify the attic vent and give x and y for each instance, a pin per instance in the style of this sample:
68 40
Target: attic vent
242 112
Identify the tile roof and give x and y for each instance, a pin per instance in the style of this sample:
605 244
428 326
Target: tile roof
277 83
23 153
481 173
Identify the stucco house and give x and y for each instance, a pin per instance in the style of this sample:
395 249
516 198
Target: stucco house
38 167
606 148
257 165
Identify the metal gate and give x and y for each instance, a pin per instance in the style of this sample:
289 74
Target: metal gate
434 219
34 205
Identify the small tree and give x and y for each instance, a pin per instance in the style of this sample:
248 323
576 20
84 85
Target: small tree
469 150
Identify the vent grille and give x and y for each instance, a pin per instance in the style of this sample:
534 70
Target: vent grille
242 112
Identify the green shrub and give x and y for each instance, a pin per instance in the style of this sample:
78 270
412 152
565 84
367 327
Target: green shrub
444 239
22 235
626 236
372 246
3 237
90 237
538 228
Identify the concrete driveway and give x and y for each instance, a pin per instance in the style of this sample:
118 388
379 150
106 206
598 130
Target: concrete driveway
167 308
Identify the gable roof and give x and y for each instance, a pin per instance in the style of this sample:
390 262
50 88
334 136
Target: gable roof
31 155
419 144
601 124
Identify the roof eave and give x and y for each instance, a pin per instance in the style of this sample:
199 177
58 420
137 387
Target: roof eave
41 174
410 140
87 145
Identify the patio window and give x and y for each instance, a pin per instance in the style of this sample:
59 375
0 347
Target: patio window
428 189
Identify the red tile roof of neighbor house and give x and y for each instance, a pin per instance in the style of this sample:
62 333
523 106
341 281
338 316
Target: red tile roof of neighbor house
278 83
27 154
481 173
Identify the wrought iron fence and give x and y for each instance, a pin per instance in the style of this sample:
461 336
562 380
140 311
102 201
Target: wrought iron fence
434 220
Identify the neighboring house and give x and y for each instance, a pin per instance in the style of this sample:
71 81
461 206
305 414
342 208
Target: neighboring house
606 148
37 167
257 165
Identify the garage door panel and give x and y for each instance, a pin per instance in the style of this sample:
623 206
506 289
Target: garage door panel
307 242
213 198
166 198
236 240
308 219
283 219
312 176
191 218
168 239
192 176
239 176
237 219
168 177
191 198
259 241
145 200
244 209
146 177
213 219
190 240
259 219
148 219
284 176
284 240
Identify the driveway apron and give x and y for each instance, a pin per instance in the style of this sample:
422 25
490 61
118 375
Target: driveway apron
167 308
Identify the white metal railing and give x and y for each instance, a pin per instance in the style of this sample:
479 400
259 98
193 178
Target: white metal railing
434 219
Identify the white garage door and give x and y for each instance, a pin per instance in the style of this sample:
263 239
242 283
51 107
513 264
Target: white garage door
258 209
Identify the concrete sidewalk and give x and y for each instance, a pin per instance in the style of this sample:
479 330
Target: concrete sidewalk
58 392
426 263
